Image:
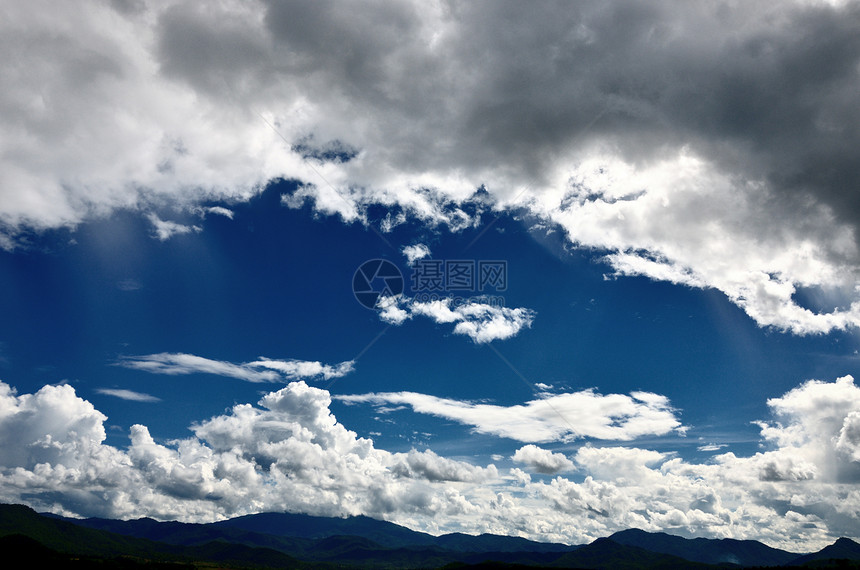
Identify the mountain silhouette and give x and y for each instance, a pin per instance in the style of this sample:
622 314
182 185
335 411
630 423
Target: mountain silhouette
708 551
283 540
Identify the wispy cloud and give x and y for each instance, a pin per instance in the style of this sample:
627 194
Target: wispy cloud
481 322
128 395
164 230
560 417
262 370
712 447
295 369
218 210
129 285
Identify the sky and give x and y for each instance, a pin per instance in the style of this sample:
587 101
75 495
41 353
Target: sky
540 269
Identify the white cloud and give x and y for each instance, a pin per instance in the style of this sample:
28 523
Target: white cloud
164 230
52 426
716 240
128 395
712 447
542 460
559 417
220 211
816 433
426 464
262 370
391 312
482 322
305 369
290 453
415 252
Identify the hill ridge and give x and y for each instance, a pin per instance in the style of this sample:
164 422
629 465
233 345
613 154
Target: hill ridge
268 539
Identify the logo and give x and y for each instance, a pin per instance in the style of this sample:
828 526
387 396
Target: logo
374 279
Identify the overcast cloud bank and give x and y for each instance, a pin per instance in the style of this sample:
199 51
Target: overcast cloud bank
703 144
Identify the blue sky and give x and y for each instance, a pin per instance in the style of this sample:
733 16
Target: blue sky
182 215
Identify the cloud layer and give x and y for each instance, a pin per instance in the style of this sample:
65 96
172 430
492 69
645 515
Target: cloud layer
289 453
560 417
262 370
710 145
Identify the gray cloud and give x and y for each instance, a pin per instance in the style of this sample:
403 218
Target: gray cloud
716 139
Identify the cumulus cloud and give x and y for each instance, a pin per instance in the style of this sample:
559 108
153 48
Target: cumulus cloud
52 427
415 252
815 433
722 159
289 453
559 417
542 460
482 322
262 370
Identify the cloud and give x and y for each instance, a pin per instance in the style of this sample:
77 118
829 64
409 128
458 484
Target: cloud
482 322
426 464
288 452
220 211
542 460
304 369
720 159
52 426
262 370
815 433
164 230
415 252
128 395
216 210
559 417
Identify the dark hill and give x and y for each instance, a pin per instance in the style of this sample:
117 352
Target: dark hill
606 554
305 526
842 549
705 550
30 533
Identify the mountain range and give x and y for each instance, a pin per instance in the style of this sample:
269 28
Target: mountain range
283 540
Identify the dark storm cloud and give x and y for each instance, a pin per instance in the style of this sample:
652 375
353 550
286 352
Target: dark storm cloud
737 118
767 91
